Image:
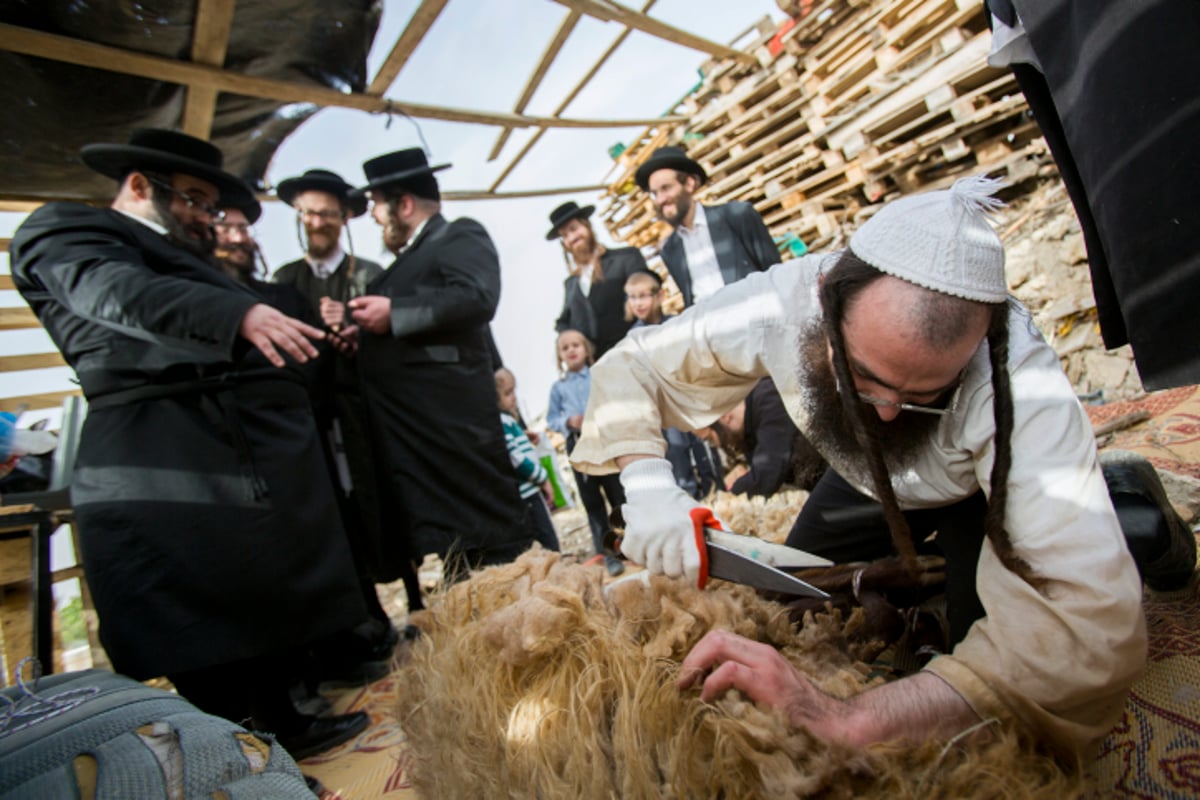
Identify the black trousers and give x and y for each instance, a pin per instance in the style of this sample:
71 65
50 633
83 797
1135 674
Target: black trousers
543 527
843 524
593 489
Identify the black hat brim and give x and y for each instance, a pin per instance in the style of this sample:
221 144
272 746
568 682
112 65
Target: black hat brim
118 160
356 203
579 213
397 177
668 161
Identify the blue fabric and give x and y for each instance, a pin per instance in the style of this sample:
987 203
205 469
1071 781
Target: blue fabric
568 397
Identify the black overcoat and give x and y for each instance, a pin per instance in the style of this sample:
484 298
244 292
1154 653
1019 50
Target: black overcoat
348 281
445 479
740 239
206 520
600 314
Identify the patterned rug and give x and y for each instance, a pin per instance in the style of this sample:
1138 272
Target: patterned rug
1153 752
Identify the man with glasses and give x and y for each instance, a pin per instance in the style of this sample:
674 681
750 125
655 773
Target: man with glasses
327 275
211 554
939 407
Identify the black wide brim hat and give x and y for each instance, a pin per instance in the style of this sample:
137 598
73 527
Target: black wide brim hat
250 207
565 213
668 158
323 180
170 152
407 168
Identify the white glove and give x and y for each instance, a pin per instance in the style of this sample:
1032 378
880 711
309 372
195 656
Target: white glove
659 533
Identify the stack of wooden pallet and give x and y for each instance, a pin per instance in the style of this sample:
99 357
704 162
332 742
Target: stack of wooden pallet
859 101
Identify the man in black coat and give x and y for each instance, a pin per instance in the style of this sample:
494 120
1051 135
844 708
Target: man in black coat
711 246
210 553
594 293
446 483
1113 86
327 275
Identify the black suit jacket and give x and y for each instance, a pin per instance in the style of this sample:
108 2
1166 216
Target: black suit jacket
445 479
740 239
600 314
193 503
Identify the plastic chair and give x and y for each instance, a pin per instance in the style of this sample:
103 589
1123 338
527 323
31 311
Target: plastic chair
43 520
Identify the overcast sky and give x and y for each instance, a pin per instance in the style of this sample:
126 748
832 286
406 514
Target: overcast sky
478 55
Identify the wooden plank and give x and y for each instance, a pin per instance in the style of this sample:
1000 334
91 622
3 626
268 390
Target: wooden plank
36 402
539 72
6 282
490 195
571 95
420 23
4 243
87 54
18 318
210 40
31 361
612 12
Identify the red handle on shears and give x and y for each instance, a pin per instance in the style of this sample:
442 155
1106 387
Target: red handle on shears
703 518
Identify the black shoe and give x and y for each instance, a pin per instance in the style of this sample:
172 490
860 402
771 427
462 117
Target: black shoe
613 565
323 733
1162 544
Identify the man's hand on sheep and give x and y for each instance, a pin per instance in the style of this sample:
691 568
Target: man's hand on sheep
916 708
659 533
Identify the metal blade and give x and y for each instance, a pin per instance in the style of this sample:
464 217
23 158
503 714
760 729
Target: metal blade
769 553
733 566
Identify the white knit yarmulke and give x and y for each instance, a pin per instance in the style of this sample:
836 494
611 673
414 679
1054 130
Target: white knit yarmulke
940 240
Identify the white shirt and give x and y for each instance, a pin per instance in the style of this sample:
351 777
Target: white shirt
701 257
1011 46
151 224
416 232
325 267
1060 662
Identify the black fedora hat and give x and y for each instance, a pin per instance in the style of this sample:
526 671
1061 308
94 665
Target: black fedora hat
408 168
323 180
668 158
159 150
565 213
248 206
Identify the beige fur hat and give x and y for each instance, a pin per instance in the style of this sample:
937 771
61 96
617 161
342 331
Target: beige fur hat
940 240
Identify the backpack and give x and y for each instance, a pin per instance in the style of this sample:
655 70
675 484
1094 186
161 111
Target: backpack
95 734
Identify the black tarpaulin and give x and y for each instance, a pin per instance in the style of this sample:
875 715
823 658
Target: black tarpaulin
51 108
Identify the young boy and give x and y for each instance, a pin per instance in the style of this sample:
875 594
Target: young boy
697 469
535 486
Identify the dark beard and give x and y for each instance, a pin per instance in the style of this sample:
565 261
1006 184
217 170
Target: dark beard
178 234
237 260
682 206
832 432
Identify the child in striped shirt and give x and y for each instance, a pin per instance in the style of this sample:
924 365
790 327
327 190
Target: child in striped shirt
535 486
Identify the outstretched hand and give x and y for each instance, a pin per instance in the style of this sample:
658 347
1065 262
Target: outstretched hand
268 328
722 661
332 313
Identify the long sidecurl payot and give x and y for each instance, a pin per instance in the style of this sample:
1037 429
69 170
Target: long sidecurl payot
531 681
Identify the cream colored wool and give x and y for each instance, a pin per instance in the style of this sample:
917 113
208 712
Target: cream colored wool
769 518
530 682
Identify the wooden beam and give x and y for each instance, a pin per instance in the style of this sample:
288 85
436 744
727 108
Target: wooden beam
20 204
570 98
548 56
17 318
4 243
420 23
36 402
210 40
87 54
34 361
6 282
612 12
490 195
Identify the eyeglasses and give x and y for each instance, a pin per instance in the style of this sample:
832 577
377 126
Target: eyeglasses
327 215
243 228
879 402
193 203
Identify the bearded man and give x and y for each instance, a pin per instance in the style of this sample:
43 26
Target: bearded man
210 553
711 246
445 482
929 391
594 292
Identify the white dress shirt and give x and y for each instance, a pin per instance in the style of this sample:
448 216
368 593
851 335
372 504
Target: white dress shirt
701 257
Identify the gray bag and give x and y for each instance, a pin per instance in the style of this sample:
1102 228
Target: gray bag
95 734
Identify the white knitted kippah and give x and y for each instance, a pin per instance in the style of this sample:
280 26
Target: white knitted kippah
940 240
